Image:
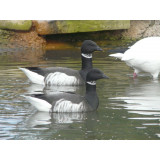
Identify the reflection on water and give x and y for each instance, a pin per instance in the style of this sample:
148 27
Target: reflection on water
21 54
43 118
39 89
73 89
142 98
129 108
57 124
38 118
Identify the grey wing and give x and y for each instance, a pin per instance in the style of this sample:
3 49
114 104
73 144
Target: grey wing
68 71
45 71
54 97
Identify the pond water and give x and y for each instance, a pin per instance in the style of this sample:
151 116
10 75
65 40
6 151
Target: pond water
129 108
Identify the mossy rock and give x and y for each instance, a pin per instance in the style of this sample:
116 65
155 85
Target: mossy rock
71 26
5 36
76 26
20 25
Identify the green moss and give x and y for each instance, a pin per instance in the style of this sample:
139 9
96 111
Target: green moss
74 26
16 25
5 36
129 39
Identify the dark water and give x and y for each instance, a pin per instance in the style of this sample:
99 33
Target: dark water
129 108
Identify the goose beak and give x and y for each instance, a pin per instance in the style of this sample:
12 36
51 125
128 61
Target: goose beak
99 49
105 77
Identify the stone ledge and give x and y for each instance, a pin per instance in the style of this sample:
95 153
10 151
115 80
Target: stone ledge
20 25
75 26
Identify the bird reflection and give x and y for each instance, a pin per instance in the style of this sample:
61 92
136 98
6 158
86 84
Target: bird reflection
53 123
34 89
45 119
38 118
141 97
53 89
67 117
39 89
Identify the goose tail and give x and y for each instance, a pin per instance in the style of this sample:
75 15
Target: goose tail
117 55
39 104
33 76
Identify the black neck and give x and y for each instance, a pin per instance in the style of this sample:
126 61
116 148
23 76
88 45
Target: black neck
90 88
86 63
91 96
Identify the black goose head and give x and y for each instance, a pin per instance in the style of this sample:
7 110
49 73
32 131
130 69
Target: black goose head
89 46
91 95
95 74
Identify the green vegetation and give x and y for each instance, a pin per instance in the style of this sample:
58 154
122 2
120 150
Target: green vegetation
16 25
74 26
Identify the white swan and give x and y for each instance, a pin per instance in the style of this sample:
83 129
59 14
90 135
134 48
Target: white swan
143 56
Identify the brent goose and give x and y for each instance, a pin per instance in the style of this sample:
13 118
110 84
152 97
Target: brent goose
64 76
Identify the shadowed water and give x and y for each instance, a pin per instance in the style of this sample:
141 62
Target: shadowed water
129 108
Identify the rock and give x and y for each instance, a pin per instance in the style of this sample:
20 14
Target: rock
153 29
25 39
20 25
75 26
142 28
5 36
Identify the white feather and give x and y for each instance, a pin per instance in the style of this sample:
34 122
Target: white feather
87 55
39 104
92 82
117 55
33 76
58 78
67 106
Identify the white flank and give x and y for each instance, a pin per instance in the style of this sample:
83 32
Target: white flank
117 55
39 104
87 55
58 78
33 77
67 106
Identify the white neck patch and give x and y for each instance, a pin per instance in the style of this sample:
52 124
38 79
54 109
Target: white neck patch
92 82
87 55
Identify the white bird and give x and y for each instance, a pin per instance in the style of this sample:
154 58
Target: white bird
143 56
